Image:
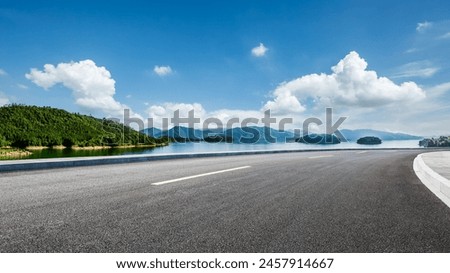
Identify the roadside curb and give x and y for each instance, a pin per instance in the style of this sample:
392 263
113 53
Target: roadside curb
41 164
436 183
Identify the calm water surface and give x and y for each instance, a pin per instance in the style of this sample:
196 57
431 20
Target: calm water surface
202 147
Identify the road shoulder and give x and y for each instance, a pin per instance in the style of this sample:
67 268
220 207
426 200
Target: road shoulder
432 170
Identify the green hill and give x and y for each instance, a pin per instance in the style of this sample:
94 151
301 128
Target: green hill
22 126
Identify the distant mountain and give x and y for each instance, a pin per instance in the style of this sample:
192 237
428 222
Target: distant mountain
177 133
258 135
153 132
261 135
354 135
251 134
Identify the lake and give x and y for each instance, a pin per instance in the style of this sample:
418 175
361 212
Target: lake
201 147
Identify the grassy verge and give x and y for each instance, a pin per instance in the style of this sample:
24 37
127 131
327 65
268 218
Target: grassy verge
37 148
13 153
16 153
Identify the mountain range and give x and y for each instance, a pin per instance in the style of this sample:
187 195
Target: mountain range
257 135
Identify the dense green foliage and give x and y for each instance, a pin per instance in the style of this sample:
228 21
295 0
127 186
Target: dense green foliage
369 140
319 139
22 126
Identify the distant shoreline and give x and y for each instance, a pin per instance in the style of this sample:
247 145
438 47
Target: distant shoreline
6 153
60 147
14 153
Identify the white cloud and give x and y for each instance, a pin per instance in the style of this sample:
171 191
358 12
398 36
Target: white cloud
445 36
4 99
260 50
368 100
166 110
349 84
91 85
425 117
22 86
411 50
162 70
422 27
225 115
422 69
431 38
438 90
3 72
284 102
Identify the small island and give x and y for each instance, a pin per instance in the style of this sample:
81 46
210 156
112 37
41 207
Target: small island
442 141
369 140
323 139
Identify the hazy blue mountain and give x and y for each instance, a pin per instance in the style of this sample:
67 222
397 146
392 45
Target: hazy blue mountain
354 135
184 132
153 132
175 132
252 134
257 135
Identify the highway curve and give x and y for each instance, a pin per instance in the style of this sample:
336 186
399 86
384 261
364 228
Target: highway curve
337 201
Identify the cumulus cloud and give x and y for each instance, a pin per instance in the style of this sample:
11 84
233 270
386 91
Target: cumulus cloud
349 84
166 110
422 69
3 72
422 27
351 89
162 70
284 102
226 115
260 50
91 85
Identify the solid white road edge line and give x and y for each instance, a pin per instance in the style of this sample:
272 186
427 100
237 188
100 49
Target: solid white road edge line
320 156
361 152
198 175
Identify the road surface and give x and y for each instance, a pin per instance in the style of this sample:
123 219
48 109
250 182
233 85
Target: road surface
337 201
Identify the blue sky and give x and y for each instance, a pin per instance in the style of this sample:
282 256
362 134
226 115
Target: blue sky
204 53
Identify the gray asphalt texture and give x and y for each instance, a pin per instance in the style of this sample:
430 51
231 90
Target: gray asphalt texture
340 201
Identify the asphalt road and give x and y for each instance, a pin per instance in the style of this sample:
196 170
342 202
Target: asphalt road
343 201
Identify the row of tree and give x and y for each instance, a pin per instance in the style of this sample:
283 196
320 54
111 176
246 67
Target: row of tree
22 126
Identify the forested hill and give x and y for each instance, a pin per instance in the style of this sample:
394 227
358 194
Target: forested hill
22 126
